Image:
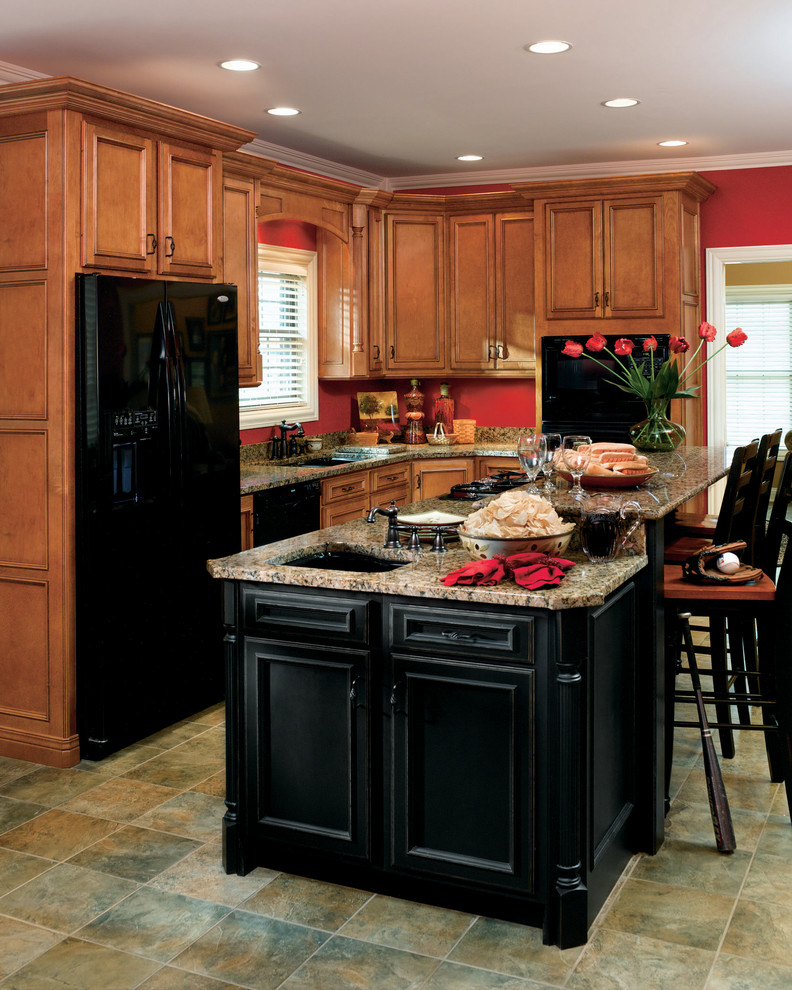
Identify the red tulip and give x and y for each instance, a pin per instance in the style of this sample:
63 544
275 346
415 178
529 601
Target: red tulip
650 344
707 332
623 346
678 345
596 343
737 337
572 349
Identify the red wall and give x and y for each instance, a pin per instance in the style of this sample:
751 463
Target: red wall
750 206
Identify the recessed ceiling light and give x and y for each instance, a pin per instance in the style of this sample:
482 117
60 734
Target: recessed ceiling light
622 101
548 47
671 144
470 158
240 65
283 111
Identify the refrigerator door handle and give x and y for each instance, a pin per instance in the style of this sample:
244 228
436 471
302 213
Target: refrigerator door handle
162 389
179 397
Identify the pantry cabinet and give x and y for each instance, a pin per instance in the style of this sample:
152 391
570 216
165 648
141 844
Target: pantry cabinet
90 178
150 206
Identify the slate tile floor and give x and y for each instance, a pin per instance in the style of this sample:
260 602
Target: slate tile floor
111 879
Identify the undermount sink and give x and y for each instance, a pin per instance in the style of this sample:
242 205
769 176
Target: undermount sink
326 461
346 560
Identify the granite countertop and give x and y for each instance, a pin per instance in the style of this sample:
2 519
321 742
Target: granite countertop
681 475
584 585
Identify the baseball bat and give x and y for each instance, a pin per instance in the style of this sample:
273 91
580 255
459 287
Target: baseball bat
716 791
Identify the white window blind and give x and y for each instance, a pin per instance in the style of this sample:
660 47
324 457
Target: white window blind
287 340
759 374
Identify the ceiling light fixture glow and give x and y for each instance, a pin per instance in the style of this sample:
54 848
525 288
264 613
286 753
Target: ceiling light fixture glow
620 103
470 158
240 65
671 144
548 47
283 111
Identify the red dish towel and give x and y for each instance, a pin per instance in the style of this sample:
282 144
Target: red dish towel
529 570
484 572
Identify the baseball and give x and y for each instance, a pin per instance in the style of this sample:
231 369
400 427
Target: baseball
728 563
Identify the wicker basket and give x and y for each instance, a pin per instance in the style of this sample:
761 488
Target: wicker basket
362 439
440 438
465 430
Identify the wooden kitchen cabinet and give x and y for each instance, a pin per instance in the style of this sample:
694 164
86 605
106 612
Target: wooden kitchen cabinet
344 497
414 291
150 206
334 306
390 483
604 259
491 293
246 521
240 266
435 477
87 173
487 466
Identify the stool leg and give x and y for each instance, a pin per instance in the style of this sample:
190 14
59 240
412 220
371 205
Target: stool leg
716 791
720 682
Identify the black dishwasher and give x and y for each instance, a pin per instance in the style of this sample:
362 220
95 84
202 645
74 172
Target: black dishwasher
289 510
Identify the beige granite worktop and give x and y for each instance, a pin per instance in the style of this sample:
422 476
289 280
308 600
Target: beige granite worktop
584 585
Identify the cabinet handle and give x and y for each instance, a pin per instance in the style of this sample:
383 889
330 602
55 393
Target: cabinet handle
392 351
606 301
596 300
348 488
376 347
456 635
500 351
392 477
172 251
489 352
153 243
394 699
353 692
418 483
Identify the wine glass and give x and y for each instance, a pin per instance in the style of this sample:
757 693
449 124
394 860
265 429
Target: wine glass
553 441
532 451
577 454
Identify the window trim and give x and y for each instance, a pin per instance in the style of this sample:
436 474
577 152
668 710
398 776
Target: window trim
292 261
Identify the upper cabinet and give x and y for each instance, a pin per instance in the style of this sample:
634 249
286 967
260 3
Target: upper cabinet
604 258
240 262
491 293
150 206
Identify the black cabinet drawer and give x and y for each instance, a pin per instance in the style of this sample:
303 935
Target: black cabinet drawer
487 635
299 615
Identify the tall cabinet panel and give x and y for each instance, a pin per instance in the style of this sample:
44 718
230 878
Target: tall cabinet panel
240 266
80 189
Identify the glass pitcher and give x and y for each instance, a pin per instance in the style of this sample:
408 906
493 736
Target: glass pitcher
601 524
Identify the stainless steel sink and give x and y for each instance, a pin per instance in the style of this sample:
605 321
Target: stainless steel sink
345 560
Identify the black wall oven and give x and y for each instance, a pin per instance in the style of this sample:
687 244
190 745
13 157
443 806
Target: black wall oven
578 395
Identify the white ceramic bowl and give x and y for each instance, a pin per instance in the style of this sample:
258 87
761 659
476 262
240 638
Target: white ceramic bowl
483 547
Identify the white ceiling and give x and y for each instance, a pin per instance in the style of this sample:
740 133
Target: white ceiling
391 93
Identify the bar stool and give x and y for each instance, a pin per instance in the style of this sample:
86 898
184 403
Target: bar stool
770 606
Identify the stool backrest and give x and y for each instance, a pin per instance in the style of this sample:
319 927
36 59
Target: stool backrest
761 489
735 521
777 525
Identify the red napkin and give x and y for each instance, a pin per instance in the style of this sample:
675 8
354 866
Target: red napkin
484 572
537 570
530 570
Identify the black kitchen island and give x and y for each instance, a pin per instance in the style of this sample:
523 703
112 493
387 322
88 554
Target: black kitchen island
477 747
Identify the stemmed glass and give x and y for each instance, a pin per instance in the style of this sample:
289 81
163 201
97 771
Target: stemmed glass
532 451
553 441
577 454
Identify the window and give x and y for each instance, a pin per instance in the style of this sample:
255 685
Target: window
287 340
759 374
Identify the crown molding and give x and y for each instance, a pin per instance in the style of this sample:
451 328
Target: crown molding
321 166
15 73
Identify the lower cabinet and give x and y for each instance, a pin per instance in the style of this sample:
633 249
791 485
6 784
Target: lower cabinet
444 752
433 477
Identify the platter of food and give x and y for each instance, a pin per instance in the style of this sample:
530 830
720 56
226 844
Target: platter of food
614 465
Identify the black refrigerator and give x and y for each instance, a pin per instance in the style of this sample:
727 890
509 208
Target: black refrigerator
157 494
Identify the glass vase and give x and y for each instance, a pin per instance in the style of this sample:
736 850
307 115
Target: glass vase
657 432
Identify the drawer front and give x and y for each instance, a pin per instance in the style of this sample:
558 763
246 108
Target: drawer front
276 615
392 476
345 510
486 466
345 486
487 635
401 496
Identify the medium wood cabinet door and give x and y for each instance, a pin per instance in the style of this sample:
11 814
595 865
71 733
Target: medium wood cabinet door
119 222
573 243
335 306
189 200
471 246
462 765
633 258
240 268
515 308
436 477
308 772
414 293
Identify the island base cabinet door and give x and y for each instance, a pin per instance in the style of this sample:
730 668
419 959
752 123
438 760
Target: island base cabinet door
463 777
306 726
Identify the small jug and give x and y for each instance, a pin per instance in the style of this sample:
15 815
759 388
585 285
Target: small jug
601 522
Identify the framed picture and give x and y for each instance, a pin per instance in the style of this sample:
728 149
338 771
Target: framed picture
374 406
